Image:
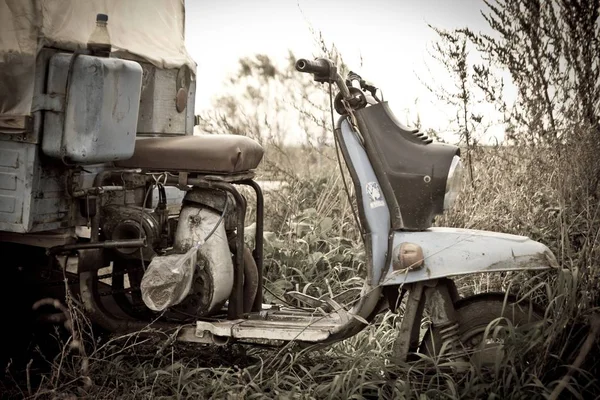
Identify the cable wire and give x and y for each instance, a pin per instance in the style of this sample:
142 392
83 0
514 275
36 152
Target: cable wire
337 153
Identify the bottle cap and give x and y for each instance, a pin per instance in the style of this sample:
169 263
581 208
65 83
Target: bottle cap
101 18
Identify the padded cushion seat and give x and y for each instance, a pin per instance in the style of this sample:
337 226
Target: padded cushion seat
205 153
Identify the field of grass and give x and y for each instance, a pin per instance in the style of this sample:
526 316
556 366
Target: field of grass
312 245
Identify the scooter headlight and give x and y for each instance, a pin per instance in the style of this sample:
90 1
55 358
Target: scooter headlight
453 183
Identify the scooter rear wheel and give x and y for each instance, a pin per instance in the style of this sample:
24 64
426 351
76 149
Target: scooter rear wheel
475 339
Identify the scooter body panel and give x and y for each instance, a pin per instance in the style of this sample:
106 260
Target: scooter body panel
446 251
374 213
451 251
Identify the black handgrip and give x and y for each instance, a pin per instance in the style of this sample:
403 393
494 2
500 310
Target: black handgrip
319 66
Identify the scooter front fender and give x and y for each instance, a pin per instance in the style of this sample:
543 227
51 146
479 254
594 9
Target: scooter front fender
451 251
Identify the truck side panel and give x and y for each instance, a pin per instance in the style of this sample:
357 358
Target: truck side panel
17 165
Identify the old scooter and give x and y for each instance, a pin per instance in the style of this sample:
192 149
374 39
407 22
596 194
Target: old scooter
109 191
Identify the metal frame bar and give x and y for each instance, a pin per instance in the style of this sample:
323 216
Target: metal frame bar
257 253
106 244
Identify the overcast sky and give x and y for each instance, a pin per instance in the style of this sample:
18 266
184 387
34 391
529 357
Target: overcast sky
391 36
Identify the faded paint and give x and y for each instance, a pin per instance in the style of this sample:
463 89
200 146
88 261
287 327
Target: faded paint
451 252
100 118
17 166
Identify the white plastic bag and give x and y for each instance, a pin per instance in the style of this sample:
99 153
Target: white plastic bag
168 279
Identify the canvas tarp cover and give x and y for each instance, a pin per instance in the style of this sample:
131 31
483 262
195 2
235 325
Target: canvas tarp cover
151 31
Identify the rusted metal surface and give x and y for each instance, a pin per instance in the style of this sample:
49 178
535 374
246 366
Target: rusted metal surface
304 327
408 333
16 185
443 315
32 198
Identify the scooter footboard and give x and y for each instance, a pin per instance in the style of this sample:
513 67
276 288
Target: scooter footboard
443 252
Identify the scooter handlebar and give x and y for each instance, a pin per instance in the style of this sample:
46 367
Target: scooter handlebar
318 66
324 70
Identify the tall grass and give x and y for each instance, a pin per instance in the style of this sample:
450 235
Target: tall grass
313 246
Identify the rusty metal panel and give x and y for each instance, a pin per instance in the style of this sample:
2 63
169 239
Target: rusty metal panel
51 206
16 178
286 325
32 196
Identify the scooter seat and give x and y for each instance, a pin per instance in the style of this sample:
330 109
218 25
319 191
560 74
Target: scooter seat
221 154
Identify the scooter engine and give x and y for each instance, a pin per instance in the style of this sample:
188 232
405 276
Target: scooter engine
195 278
132 222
